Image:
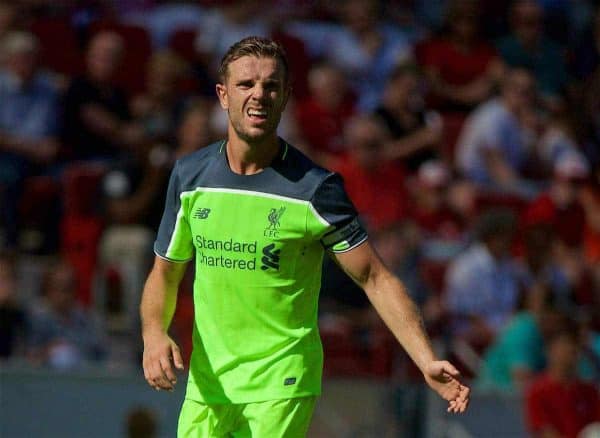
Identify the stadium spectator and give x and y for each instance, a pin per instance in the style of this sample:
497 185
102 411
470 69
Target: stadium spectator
558 403
560 206
527 47
558 138
133 205
366 49
28 123
62 334
538 268
462 68
13 323
8 20
517 353
495 142
375 185
223 25
323 114
157 109
429 208
589 197
97 123
415 132
481 283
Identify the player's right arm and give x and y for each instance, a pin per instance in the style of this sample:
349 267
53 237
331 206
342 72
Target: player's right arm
156 311
173 249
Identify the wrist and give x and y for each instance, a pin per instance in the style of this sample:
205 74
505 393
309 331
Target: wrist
152 330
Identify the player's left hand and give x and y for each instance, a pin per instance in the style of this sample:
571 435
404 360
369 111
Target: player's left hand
442 377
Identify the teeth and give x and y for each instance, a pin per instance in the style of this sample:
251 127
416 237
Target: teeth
257 113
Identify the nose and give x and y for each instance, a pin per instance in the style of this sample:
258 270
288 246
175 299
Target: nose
259 92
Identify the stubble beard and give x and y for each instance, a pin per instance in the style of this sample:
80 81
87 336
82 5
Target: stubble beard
243 134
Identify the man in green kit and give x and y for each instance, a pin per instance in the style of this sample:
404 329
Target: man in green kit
257 216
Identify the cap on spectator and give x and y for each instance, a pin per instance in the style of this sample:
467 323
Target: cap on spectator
571 165
433 173
19 42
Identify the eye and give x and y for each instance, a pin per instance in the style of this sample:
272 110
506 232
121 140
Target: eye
271 86
245 85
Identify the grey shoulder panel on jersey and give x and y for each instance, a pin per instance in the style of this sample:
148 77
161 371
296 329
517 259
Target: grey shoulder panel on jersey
292 174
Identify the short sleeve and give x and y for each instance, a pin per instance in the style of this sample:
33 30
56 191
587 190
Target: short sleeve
341 230
174 239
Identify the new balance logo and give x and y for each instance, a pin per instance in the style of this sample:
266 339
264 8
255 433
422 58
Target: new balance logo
270 257
201 213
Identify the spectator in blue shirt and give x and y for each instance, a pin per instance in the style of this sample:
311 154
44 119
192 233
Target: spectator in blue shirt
62 334
481 284
497 139
28 121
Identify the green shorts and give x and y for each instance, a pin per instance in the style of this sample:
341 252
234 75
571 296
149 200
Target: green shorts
287 418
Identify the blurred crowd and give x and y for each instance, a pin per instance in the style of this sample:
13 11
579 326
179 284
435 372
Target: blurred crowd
467 133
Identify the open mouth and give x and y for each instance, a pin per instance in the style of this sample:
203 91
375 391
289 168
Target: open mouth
257 115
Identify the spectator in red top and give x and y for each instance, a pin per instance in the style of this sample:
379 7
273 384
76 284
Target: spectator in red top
430 209
322 115
376 186
463 68
560 206
558 403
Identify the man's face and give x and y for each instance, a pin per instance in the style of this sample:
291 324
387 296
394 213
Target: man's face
254 94
104 56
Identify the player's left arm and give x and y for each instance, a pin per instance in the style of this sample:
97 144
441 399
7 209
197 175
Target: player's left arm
391 301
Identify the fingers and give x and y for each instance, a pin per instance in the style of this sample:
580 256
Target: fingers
448 368
158 369
156 377
177 359
169 378
459 404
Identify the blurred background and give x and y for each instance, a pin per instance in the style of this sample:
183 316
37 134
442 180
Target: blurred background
468 135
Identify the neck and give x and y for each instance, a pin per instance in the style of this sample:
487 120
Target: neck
246 158
560 374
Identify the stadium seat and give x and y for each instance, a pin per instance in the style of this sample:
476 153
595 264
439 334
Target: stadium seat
299 61
39 208
60 49
182 42
453 123
81 226
80 236
81 185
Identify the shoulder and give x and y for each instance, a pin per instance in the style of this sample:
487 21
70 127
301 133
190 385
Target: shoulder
306 175
191 167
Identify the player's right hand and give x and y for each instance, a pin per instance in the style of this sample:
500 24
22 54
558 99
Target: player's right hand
160 354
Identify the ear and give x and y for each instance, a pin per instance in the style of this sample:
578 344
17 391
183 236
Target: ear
288 92
221 90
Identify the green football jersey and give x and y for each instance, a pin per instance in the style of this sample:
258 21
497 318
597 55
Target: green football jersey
258 243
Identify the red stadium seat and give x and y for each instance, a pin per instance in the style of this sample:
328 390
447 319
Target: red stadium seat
453 124
80 238
299 62
60 50
182 42
81 226
39 193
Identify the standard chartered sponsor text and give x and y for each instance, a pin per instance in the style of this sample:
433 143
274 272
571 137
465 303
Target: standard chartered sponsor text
222 247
